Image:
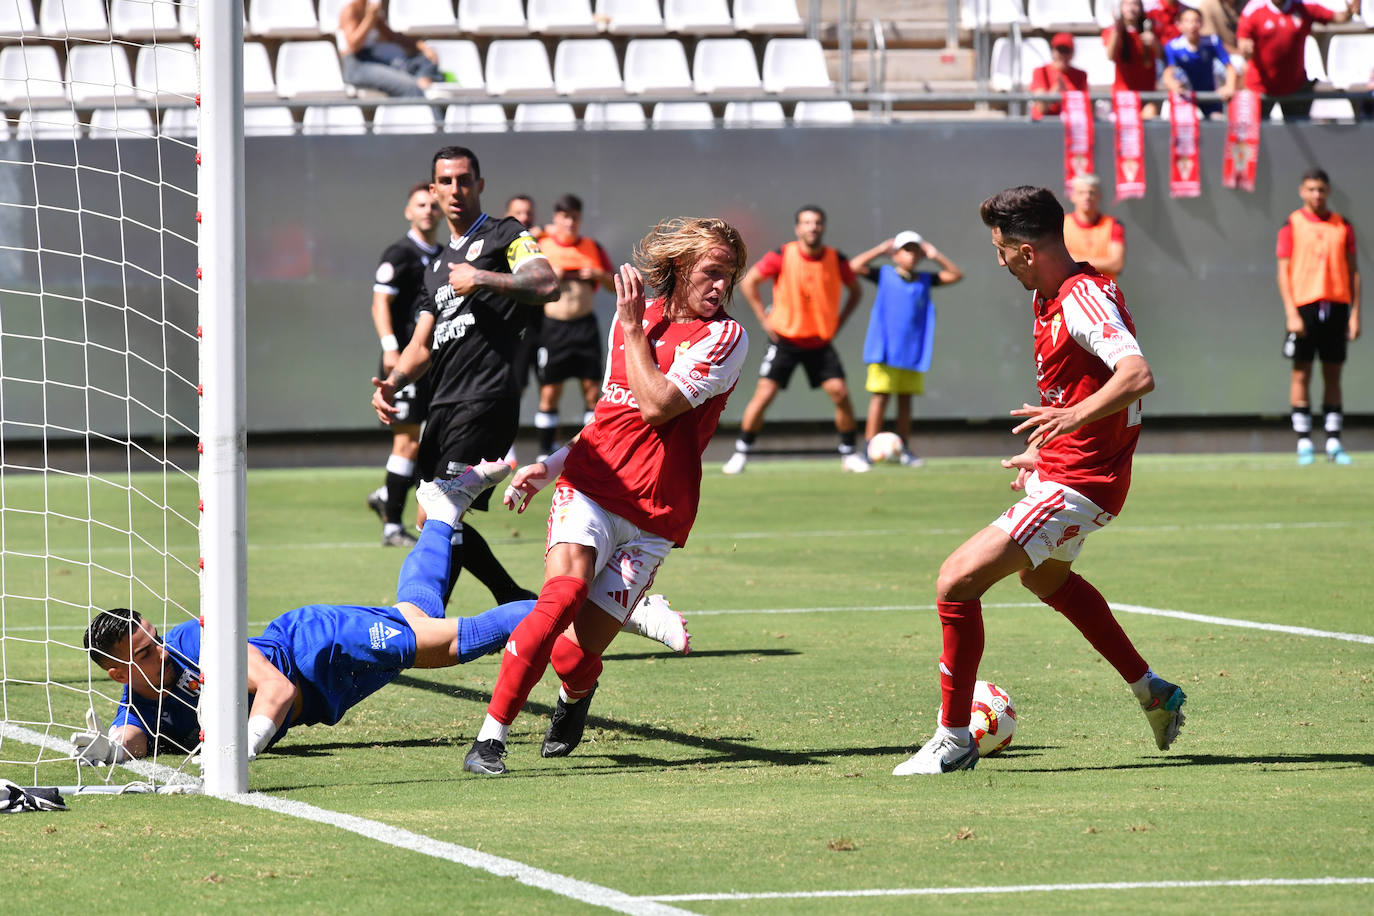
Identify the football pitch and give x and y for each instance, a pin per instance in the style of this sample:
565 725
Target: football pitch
754 775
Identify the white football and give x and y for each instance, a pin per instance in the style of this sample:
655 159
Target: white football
994 718
885 447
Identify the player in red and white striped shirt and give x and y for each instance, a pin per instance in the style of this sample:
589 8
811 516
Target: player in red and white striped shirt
1075 472
631 480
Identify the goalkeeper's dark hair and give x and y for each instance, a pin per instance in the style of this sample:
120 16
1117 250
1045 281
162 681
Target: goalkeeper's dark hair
1024 214
106 630
456 152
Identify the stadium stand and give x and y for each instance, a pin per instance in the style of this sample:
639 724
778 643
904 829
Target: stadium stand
682 115
73 19
309 68
561 17
50 124
792 64
725 65
17 18
544 116
460 58
657 65
615 115
333 119
178 122
423 18
492 17
166 72
1312 60
1035 52
1090 56
630 17
769 17
991 12
586 65
273 121
258 81
107 122
1341 111
98 74
830 112
518 65
697 17
284 19
1052 14
754 114
140 20
477 117
404 119
1350 60
30 72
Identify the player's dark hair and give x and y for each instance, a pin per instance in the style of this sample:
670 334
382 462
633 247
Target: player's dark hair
808 208
106 630
1024 214
673 247
416 189
456 152
514 197
568 203
1317 174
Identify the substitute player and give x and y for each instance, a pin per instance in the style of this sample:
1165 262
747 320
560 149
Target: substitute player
1075 472
631 480
396 287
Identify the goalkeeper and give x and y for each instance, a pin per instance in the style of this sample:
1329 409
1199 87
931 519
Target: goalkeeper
314 663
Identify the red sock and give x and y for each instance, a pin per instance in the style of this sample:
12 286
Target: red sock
578 668
1086 609
530 644
961 627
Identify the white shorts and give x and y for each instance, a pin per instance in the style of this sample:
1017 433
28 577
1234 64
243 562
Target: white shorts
1051 521
627 557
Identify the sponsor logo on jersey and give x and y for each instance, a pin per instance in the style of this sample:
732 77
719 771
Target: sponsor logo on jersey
190 682
385 272
380 632
619 394
1109 332
455 329
475 250
1056 394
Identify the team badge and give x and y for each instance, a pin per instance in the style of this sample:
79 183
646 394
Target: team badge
475 250
1055 323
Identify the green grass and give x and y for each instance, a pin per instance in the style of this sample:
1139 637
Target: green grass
761 762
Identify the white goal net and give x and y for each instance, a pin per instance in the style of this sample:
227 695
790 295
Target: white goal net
100 361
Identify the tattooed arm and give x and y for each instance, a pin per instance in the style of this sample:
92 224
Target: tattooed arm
533 284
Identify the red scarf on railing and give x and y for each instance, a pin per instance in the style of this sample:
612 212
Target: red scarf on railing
1130 146
1242 141
1078 136
1185 179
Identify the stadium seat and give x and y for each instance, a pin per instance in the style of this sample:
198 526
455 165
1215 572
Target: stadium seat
329 15
417 17
481 116
833 112
5 129
1035 52
336 119
492 17
188 17
1051 14
754 114
404 119
1104 12
269 121
561 17
179 122
657 65
30 72
1090 56
725 65
1349 60
16 18
794 64
141 20
73 19
49 124
768 17
1341 111
1312 60
698 17
459 57
107 123
284 19
167 71
683 115
994 12
630 17
257 72
613 115
309 68
586 65
518 65
545 116
98 73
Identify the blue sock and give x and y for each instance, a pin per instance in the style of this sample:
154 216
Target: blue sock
489 630
425 569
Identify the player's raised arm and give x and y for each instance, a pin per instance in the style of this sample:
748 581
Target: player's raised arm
659 399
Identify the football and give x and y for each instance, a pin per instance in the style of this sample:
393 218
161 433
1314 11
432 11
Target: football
994 718
885 447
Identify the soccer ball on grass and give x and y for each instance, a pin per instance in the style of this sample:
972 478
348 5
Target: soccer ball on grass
994 718
885 447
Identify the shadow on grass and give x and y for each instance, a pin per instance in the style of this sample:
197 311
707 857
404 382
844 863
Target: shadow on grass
707 653
1307 761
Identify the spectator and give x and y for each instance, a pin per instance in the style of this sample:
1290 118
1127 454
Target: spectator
1272 39
1319 283
375 57
1135 48
1163 18
1092 235
1219 18
1057 77
1190 62
901 330
808 277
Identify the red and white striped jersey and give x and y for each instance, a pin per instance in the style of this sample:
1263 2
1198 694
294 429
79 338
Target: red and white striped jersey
1080 335
651 475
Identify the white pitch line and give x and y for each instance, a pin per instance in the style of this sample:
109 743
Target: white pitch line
155 772
581 891
1020 889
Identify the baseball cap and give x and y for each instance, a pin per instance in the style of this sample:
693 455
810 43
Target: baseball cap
906 238
1062 40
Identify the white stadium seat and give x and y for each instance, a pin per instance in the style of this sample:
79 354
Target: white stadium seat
698 17
257 71
98 73
49 124
167 71
403 119
335 119
1312 61
518 65
492 17
1349 60
107 123
754 114
309 68
561 17
480 116
1339 110
329 15
1048 14
179 122
1090 56
284 19
622 115
769 17
1104 12
630 17
1035 52
993 12
419 17
188 17
30 72
656 65
270 121
142 19
834 112
459 57
586 65
16 18
683 115
545 116
794 64
4 129
725 65
73 19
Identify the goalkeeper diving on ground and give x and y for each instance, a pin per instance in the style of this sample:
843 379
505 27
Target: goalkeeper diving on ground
314 663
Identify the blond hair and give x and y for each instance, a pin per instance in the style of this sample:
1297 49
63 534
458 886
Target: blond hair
674 246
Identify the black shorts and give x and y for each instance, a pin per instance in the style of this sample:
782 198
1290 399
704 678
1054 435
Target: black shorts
528 346
458 435
1326 334
412 401
570 349
821 363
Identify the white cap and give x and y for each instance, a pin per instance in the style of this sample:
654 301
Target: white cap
906 238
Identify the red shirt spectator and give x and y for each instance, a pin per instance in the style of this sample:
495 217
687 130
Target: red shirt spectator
1164 16
1057 77
1278 35
1135 50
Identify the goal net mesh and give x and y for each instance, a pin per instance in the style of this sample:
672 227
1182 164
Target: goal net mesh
98 361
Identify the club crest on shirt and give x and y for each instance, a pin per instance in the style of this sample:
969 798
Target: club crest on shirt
475 250
1055 324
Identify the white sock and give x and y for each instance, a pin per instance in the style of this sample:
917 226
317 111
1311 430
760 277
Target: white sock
403 467
493 730
567 700
390 528
961 735
1141 688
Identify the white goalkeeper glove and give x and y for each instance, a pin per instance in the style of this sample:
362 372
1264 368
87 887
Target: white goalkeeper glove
518 496
94 748
260 732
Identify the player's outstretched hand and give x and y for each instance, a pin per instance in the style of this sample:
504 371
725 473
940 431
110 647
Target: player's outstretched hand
629 295
381 400
527 481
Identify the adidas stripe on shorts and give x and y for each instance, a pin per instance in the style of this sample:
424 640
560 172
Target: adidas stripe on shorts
1051 521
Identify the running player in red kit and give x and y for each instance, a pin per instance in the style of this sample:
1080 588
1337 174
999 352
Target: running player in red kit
631 480
1075 471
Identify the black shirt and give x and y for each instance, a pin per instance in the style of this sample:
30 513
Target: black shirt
401 273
